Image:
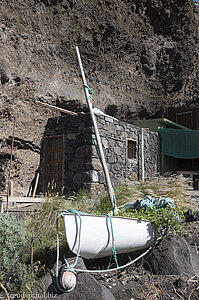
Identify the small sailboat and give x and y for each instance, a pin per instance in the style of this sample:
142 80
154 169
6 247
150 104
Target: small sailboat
94 234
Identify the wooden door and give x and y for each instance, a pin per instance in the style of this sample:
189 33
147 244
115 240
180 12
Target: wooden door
53 164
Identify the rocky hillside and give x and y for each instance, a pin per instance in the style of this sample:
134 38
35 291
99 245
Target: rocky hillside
139 57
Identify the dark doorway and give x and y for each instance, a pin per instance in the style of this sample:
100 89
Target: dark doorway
53 164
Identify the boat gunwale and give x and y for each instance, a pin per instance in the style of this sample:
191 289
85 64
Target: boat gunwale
104 215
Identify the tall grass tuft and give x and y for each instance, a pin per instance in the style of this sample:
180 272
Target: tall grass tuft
42 224
175 187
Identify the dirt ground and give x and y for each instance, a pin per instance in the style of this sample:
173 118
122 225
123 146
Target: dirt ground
141 284
138 281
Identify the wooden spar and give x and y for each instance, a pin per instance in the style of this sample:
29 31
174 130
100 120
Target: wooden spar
36 184
9 174
142 152
11 188
65 111
98 139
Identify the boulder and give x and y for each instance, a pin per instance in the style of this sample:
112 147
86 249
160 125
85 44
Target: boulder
191 216
87 286
174 256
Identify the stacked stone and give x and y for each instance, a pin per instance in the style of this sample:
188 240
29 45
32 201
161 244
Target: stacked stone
151 153
78 151
82 166
115 135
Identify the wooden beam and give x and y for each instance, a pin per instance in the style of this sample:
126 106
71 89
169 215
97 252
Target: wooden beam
142 153
65 111
24 200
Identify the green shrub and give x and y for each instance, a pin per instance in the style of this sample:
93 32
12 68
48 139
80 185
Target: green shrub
166 220
13 253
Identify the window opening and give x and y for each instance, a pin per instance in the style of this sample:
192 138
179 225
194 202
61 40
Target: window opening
131 149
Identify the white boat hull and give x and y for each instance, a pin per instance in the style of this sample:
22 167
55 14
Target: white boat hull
96 236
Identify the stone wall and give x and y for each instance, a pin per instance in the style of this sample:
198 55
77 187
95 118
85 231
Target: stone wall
81 164
115 136
77 149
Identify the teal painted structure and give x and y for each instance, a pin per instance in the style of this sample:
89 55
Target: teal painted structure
166 163
155 124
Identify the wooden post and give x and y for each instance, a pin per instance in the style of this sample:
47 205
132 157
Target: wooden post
9 174
1 206
36 184
11 188
98 139
162 163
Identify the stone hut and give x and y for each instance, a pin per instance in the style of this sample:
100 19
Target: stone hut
70 159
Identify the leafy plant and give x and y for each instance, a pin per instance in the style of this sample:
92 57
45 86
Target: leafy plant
123 194
13 253
166 220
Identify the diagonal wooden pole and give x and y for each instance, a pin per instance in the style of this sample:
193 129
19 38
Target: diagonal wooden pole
98 139
53 107
142 152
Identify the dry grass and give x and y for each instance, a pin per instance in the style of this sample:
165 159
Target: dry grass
150 291
176 187
43 223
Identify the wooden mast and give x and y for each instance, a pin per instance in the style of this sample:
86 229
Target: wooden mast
142 152
98 139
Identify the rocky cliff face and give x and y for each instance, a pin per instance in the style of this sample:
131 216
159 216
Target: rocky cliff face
139 57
